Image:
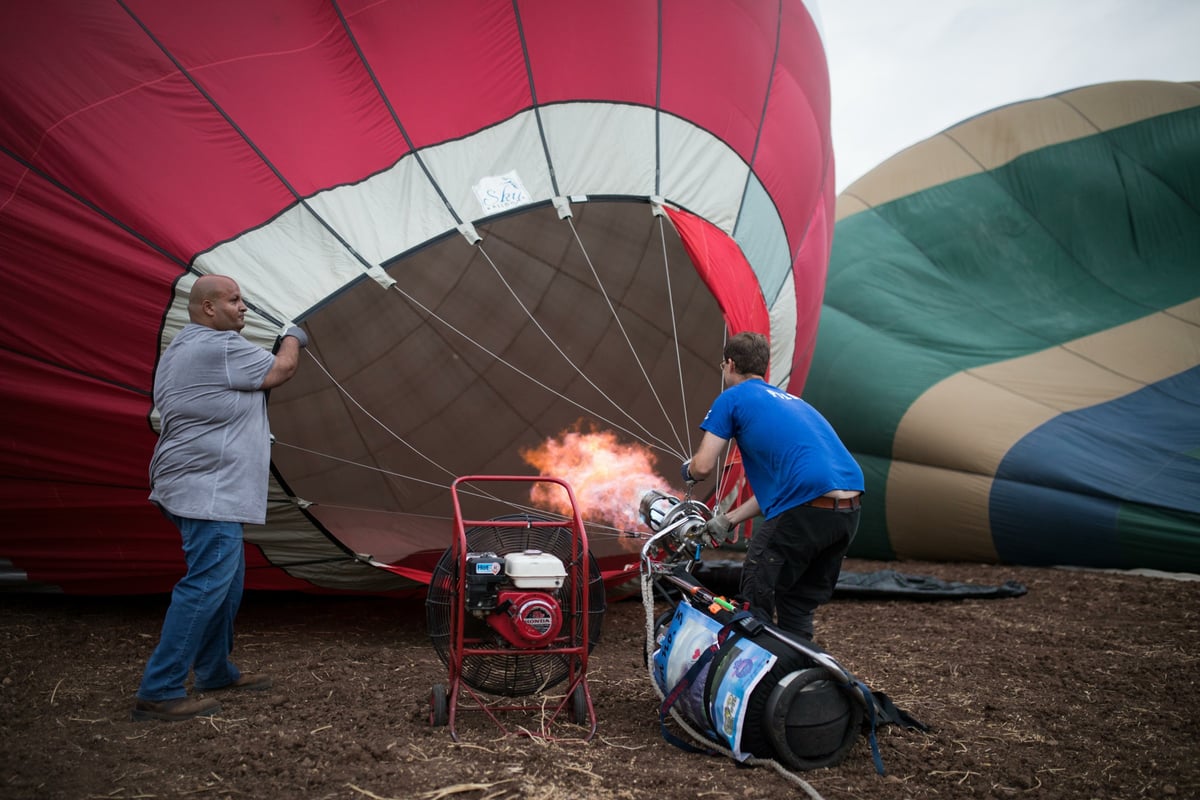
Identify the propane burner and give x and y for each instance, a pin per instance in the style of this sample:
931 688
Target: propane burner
677 525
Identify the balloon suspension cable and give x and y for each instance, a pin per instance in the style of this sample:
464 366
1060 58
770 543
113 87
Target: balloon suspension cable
499 359
599 528
376 419
629 343
662 236
594 528
392 433
721 492
646 437
352 463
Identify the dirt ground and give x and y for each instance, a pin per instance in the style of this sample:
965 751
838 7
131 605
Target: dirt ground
1085 687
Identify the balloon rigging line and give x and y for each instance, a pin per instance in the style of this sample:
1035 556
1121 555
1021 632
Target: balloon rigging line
722 489
376 419
761 122
1178 317
662 235
397 437
501 360
571 363
533 98
137 235
352 463
300 199
979 373
593 526
303 203
390 473
479 494
412 148
675 338
30 167
979 307
620 325
370 510
1110 369
470 492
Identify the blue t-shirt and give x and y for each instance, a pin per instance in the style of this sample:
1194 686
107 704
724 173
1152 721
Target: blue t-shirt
790 452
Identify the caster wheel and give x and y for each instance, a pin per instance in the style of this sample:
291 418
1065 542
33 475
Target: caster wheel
579 709
439 706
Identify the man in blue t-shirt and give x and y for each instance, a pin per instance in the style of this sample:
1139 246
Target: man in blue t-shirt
806 485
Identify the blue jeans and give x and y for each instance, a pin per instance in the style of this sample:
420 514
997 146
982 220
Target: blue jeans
197 632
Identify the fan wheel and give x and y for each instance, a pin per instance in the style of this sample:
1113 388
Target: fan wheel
507 674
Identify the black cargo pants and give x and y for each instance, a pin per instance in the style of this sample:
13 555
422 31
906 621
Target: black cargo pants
792 564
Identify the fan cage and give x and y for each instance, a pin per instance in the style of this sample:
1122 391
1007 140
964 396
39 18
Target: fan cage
529 672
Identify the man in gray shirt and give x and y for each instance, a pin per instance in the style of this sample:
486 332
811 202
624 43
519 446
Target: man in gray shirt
209 476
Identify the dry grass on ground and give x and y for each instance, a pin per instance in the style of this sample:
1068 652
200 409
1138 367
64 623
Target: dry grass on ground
1085 687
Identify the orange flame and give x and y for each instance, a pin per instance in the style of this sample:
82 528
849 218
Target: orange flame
607 477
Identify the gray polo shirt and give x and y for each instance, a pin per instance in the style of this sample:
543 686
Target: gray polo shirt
213 455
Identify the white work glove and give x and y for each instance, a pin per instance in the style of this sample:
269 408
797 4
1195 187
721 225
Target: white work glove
297 333
718 531
685 472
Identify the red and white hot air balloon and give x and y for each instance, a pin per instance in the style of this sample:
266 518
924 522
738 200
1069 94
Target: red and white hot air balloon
493 219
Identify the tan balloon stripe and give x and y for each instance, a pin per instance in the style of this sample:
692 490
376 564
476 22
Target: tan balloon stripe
951 441
996 138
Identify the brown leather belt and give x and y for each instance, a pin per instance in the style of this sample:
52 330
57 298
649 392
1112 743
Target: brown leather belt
837 503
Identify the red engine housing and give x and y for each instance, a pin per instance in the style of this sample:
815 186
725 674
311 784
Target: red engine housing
526 619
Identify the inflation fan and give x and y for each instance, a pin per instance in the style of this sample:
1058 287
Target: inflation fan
514 608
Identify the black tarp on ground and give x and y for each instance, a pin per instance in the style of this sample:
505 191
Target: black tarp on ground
723 577
890 583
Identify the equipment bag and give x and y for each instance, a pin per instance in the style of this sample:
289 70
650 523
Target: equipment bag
751 692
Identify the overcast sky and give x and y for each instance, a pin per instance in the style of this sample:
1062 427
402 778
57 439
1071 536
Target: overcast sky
904 70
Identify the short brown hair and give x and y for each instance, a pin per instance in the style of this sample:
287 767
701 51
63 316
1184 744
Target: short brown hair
750 353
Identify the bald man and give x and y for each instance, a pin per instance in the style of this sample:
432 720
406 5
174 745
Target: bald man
209 476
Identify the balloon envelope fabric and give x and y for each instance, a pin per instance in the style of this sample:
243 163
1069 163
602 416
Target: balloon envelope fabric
494 219
1010 341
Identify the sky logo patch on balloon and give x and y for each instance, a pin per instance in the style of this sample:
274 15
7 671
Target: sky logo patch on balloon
497 193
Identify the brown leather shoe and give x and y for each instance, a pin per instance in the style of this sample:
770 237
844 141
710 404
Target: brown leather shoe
174 710
247 682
